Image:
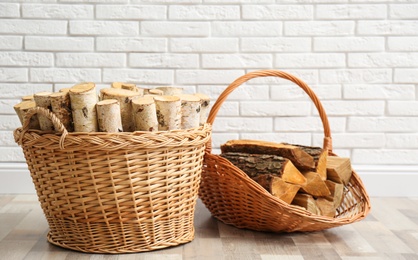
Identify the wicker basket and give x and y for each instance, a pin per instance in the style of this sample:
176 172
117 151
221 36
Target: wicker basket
235 199
119 192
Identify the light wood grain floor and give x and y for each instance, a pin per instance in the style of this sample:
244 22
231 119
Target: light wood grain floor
389 232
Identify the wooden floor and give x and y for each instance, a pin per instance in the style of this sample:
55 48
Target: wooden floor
389 232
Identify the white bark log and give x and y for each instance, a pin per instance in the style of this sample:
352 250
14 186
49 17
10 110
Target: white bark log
124 97
27 98
170 91
83 105
190 111
168 112
61 106
204 107
108 116
145 114
42 99
155 91
21 110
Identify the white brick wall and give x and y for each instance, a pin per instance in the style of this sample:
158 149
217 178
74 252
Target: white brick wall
359 56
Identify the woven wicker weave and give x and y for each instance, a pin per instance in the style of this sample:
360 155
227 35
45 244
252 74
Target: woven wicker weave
115 193
235 199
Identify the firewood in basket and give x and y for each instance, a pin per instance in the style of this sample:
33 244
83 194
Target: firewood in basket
145 114
326 206
61 106
337 192
83 105
315 186
277 187
319 156
108 116
124 97
259 164
339 169
306 201
42 99
204 107
299 158
190 111
168 112
22 108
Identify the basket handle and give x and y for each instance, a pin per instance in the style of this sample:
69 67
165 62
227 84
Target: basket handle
275 73
59 127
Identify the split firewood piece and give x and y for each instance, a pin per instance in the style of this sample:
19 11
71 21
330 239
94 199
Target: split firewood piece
299 158
155 91
61 106
337 192
170 91
320 158
145 114
315 186
22 108
339 169
168 112
306 201
27 98
124 97
83 105
326 206
204 107
190 111
277 187
42 99
108 116
259 164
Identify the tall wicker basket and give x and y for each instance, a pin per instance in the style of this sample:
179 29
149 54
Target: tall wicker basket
235 199
115 193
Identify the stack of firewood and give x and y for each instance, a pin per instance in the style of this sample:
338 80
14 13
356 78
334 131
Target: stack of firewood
123 107
299 175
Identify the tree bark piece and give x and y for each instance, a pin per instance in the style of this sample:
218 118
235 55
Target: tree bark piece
204 107
259 164
299 158
21 110
108 116
145 114
170 91
190 111
83 105
315 186
306 201
277 187
124 97
339 169
168 112
42 99
61 106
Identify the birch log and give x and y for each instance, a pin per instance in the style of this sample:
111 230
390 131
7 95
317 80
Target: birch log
27 98
155 91
124 97
42 99
83 105
171 91
204 107
61 106
168 112
21 110
108 116
190 111
145 114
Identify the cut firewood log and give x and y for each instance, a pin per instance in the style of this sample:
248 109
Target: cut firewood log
259 164
326 206
155 91
299 158
27 98
337 192
277 187
145 114
22 108
319 156
64 90
339 169
168 112
190 111
204 107
170 91
108 116
306 201
83 105
42 99
124 97
315 186
61 106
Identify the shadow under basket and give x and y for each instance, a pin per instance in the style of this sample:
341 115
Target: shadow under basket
115 192
235 199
